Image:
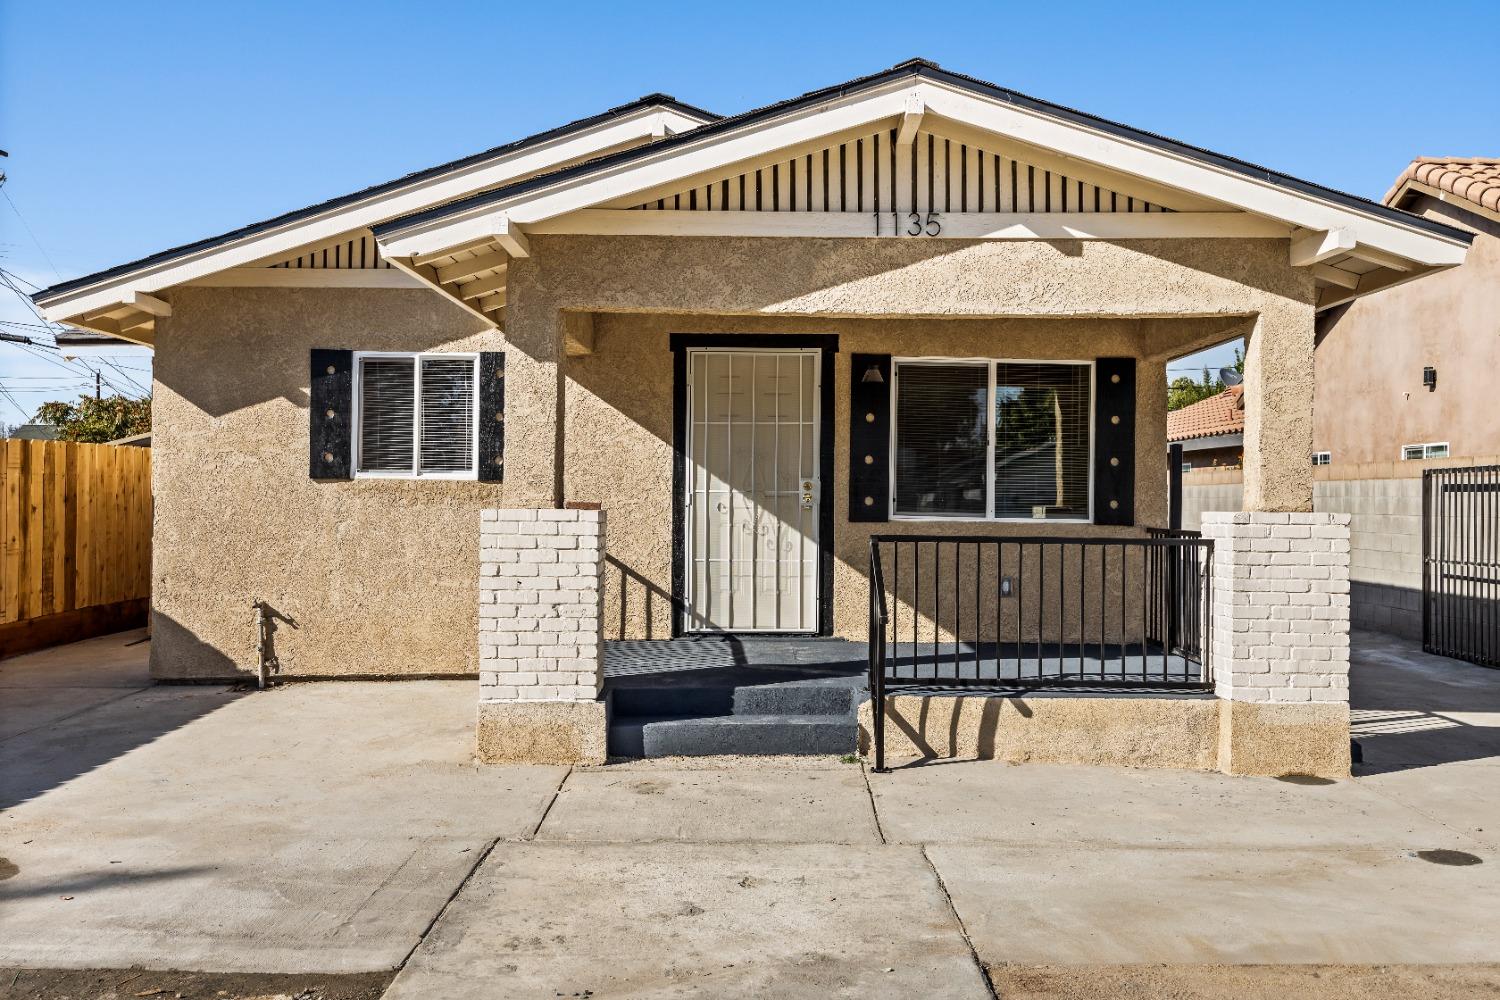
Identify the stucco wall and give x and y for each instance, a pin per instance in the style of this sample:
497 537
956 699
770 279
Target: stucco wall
379 575
617 446
619 441
1370 398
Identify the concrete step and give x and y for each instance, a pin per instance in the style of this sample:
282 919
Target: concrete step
749 735
798 699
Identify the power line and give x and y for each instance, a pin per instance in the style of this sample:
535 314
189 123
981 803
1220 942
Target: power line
27 227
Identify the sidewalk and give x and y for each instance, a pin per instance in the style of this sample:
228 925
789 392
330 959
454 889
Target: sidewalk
340 827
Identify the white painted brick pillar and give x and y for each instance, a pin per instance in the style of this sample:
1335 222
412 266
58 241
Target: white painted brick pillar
541 650
1280 640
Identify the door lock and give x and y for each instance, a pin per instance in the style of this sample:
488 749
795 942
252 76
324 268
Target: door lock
807 494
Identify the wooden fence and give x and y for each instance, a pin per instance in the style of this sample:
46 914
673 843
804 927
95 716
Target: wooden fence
77 541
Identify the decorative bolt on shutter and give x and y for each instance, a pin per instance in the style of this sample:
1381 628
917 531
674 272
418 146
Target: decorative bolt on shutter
492 417
869 437
330 412
1114 441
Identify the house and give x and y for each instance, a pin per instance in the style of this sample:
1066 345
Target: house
1398 372
1210 431
661 373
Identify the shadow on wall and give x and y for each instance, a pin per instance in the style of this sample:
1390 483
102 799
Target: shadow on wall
222 361
639 600
924 733
177 653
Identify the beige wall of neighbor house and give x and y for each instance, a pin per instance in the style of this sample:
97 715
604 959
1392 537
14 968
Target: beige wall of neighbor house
1371 400
378 574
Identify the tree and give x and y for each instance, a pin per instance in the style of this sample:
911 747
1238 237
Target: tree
1184 391
97 421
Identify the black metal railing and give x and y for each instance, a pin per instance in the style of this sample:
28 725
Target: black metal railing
984 613
1461 563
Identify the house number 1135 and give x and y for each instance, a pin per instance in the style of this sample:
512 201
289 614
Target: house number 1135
915 224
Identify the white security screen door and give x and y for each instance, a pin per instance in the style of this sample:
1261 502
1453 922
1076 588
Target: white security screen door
753 491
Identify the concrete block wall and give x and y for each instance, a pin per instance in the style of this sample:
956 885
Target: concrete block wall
1385 540
1280 607
540 605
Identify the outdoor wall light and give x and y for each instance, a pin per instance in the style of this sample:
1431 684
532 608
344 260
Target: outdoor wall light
872 374
1429 378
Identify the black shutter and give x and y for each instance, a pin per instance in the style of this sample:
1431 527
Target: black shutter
330 415
492 417
869 437
1114 441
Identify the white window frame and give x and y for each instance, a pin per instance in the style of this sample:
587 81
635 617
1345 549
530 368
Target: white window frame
1426 447
989 478
1322 458
416 358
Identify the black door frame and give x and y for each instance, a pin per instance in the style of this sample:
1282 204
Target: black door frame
681 343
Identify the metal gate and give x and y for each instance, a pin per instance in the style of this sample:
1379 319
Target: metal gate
752 526
1461 563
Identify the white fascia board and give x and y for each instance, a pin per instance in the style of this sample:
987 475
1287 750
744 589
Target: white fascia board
673 165
968 226
276 244
1068 139
1187 174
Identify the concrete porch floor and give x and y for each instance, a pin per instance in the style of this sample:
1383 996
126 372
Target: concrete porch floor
342 827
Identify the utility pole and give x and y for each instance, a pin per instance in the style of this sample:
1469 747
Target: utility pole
97 383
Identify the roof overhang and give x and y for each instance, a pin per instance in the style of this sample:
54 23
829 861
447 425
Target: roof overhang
122 301
1351 245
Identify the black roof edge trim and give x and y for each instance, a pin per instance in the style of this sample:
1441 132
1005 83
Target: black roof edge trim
924 68
473 159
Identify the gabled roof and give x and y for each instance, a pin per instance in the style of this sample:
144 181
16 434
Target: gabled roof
1220 414
1474 179
921 69
453 227
684 115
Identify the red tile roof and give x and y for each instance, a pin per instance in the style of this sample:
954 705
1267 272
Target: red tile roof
1221 414
1475 179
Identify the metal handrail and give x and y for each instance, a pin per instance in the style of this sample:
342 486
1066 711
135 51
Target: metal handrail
1175 572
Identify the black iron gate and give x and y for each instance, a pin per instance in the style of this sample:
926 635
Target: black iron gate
1461 563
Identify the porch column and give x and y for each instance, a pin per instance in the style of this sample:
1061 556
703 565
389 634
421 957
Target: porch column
1279 641
541 649
1279 410
533 390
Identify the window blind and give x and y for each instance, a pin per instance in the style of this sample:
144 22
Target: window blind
942 438
387 397
1041 441
447 438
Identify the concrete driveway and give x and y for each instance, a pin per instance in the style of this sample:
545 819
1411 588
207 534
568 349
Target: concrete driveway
341 826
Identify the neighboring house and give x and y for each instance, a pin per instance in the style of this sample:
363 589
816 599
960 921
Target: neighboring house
1401 374
1211 431
913 304
37 432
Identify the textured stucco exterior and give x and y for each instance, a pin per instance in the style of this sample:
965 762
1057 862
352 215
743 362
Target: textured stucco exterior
1107 732
379 575
1196 734
1371 399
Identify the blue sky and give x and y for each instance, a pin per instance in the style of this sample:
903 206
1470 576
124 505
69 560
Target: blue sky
134 127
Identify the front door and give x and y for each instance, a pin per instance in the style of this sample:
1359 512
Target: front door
752 500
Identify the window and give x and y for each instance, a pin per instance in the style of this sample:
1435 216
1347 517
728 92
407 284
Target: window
1322 458
416 415
1413 452
996 440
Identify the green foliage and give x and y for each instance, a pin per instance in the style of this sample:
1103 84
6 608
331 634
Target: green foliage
96 421
1184 391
